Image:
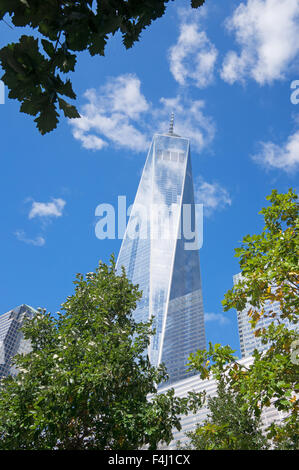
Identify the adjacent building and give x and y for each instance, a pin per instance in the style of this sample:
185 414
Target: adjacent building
160 253
12 341
248 341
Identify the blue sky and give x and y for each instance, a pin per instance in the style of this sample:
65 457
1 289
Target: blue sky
226 71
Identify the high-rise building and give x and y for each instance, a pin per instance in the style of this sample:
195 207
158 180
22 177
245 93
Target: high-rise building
12 341
248 341
160 253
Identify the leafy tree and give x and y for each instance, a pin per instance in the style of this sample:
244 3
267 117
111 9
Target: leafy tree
228 426
86 383
269 265
32 66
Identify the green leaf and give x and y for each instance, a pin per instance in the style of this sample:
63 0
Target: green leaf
197 3
98 45
66 89
69 110
64 60
47 120
48 47
30 107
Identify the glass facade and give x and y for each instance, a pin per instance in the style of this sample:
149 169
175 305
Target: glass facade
11 338
160 253
249 342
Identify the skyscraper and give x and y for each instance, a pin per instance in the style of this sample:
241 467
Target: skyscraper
160 253
12 341
248 341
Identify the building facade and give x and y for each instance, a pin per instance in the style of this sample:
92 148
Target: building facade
160 253
12 341
248 341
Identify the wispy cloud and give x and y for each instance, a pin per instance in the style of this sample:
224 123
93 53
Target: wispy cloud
285 157
217 317
53 208
37 241
118 114
267 32
45 212
192 59
213 196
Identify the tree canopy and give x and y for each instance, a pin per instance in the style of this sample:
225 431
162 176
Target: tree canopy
33 65
229 426
269 268
88 383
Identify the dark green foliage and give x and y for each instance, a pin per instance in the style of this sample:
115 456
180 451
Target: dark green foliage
32 66
230 425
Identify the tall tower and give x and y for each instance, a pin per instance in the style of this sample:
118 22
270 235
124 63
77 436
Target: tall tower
160 253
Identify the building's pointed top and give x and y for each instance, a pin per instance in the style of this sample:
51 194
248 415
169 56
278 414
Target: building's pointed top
170 132
171 123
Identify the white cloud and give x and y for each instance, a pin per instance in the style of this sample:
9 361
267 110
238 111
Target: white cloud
216 317
44 210
47 209
89 141
38 241
193 57
190 120
267 32
113 112
285 157
123 95
212 195
118 114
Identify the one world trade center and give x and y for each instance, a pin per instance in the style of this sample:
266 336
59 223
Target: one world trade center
160 253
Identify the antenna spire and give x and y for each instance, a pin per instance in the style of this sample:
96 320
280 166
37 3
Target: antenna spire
171 123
